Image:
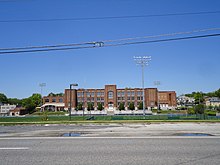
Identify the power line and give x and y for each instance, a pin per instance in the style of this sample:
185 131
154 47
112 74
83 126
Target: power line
46 46
98 44
108 45
164 35
109 17
164 40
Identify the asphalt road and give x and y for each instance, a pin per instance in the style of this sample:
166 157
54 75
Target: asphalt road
109 151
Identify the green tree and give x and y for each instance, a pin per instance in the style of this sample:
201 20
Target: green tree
217 93
199 109
100 107
218 109
199 97
90 107
131 106
210 107
32 102
121 106
190 111
3 98
79 106
15 101
140 106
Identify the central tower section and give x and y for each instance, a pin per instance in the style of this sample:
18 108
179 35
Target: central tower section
110 97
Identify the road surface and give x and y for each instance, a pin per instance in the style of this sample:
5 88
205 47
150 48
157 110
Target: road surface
110 150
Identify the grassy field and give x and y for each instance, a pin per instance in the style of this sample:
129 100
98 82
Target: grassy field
106 119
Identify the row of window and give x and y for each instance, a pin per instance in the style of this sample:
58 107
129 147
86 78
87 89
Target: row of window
54 100
90 94
138 103
129 93
90 99
130 98
83 104
120 93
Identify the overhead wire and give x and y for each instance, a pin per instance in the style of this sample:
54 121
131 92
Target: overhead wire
109 17
108 45
100 43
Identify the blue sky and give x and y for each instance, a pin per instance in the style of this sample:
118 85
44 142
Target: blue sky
182 66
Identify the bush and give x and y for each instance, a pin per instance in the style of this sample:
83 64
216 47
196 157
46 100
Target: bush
190 111
140 106
199 109
131 106
100 107
121 106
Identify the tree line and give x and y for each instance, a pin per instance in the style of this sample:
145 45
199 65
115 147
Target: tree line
29 103
199 96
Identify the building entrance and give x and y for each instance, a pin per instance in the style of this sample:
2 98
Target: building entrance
110 106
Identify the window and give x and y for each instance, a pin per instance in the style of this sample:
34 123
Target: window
132 98
128 93
98 93
119 93
119 98
60 100
128 98
139 93
132 93
122 93
139 98
79 94
110 94
53 100
46 100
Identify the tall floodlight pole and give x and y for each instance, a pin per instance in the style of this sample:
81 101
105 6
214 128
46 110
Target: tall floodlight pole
70 109
142 61
157 83
41 90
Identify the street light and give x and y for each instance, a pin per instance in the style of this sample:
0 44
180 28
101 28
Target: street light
41 89
142 61
157 83
71 99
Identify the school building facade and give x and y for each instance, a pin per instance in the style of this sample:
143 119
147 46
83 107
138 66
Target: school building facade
111 97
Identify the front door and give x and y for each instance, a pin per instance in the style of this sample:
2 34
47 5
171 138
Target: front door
110 106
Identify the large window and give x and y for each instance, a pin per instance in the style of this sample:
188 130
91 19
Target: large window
110 94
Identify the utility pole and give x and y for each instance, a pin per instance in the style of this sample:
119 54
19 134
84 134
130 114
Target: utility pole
157 83
142 61
41 90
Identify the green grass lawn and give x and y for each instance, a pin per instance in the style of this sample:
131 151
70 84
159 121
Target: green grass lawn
105 119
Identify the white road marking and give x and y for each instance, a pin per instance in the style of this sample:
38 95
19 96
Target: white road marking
112 137
14 148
